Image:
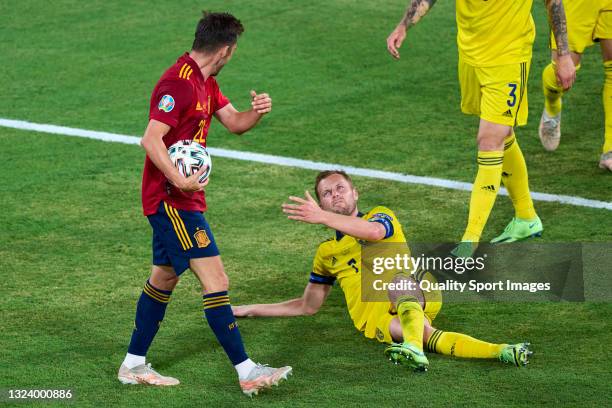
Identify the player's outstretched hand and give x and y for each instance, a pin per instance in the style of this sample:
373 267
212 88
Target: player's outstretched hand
305 210
240 311
261 103
566 71
191 184
395 40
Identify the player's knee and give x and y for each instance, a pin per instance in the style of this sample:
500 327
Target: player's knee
217 283
489 141
171 282
163 278
408 289
491 135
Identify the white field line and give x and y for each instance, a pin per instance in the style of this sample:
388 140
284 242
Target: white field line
303 164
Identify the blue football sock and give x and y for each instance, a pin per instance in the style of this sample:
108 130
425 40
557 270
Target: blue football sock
149 315
221 320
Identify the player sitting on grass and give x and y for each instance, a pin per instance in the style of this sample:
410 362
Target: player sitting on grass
406 320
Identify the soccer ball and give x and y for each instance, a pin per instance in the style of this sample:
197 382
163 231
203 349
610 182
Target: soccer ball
188 156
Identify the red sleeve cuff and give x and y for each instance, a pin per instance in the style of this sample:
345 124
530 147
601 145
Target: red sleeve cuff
172 122
222 104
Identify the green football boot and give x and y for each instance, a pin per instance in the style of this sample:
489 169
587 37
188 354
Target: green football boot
404 353
517 354
519 229
464 249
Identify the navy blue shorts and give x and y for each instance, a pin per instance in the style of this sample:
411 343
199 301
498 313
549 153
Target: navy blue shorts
179 236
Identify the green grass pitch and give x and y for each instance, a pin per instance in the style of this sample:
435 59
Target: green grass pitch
75 249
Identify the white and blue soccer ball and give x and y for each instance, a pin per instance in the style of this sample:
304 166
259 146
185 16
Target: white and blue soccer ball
188 157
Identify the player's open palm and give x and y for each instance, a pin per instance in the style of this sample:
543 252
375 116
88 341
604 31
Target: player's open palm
305 210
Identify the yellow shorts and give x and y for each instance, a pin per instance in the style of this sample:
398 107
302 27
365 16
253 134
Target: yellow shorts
587 22
497 94
381 315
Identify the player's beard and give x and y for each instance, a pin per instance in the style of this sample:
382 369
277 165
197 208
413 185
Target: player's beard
348 209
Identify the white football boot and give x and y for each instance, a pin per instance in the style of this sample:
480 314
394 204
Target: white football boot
550 131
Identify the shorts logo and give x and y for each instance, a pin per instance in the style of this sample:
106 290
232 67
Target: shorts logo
202 238
166 103
380 336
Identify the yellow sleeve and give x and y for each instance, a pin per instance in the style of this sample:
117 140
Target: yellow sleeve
387 218
320 273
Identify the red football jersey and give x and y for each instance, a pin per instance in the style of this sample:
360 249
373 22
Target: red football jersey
183 100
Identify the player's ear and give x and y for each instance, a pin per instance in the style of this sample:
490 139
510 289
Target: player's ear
228 50
223 52
356 194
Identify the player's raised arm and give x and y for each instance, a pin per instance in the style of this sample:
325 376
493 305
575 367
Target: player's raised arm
415 11
307 210
309 304
566 71
152 142
240 122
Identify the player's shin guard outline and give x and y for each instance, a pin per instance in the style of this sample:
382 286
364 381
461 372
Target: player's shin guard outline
150 312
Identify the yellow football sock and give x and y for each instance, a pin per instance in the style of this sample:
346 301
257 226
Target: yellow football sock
462 345
607 102
484 193
514 176
552 91
411 319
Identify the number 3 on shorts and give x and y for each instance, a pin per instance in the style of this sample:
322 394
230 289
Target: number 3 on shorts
512 102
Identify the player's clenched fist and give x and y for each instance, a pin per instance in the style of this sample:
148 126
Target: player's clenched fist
261 103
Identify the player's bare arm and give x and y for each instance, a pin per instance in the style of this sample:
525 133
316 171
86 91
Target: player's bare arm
240 122
566 72
311 301
152 142
308 210
415 11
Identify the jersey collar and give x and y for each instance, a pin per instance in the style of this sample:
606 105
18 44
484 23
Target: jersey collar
193 65
340 235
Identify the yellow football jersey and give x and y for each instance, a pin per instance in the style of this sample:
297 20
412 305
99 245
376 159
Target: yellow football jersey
587 22
495 32
339 258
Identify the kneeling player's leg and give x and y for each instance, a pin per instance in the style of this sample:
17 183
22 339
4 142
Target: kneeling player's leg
409 305
462 345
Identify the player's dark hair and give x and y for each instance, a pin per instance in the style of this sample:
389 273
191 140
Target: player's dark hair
325 174
216 30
